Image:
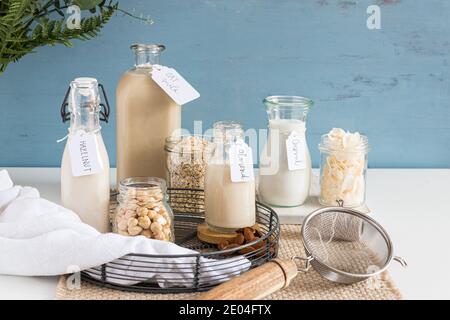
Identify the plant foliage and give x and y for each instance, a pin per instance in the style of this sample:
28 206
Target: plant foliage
28 24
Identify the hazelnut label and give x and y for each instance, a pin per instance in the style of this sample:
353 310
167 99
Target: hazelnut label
295 147
84 156
174 84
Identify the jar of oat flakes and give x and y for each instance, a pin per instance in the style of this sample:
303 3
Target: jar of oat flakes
186 161
143 209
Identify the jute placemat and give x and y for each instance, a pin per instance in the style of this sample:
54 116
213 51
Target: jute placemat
306 286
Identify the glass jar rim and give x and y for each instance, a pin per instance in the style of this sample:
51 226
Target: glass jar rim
143 183
172 142
228 124
288 102
227 131
154 48
325 145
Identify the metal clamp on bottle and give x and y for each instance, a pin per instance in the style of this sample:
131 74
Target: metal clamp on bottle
104 107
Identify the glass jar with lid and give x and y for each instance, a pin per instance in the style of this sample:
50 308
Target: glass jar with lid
343 167
143 209
228 205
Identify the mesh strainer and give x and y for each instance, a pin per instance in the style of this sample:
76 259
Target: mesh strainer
345 245
341 244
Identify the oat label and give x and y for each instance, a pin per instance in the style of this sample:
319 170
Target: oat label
84 154
174 84
241 162
296 155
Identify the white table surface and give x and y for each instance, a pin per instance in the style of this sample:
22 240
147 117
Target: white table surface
412 204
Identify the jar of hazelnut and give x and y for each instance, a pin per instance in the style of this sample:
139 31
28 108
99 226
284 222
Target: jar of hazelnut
143 209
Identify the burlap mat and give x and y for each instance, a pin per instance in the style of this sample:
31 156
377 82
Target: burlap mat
306 286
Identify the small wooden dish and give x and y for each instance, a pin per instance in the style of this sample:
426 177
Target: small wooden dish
207 235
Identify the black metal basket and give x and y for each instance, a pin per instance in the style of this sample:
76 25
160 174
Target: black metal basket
202 270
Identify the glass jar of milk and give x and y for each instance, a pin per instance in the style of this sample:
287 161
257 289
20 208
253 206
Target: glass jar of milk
229 181
285 162
85 163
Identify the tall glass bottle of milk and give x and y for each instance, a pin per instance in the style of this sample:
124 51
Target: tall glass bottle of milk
85 163
285 162
229 182
146 116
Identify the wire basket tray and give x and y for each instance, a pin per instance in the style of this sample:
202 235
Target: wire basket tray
200 271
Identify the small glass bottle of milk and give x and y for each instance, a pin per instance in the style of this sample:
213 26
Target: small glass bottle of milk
285 162
229 181
85 163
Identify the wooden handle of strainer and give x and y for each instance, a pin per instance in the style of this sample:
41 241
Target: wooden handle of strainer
256 283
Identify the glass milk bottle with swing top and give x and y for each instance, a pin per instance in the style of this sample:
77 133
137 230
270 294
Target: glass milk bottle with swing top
85 164
285 163
146 116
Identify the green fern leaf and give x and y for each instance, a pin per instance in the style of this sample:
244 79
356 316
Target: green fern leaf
25 25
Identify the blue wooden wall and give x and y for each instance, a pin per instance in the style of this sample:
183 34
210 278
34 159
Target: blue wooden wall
392 84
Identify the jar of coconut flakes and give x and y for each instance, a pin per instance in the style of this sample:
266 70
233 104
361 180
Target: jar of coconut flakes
343 167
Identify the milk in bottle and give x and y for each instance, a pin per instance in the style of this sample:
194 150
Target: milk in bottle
146 116
85 164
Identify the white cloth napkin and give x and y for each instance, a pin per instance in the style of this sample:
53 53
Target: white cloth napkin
41 238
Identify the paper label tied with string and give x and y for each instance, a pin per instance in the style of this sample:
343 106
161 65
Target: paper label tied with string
84 155
174 84
241 162
296 155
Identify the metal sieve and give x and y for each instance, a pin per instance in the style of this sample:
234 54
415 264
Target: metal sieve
345 245
341 244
